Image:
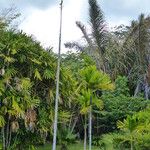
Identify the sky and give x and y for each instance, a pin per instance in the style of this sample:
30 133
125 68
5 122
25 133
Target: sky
40 18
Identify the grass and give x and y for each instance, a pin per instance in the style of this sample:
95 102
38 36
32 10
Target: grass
78 146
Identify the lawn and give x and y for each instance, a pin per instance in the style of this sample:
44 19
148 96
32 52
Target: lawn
78 146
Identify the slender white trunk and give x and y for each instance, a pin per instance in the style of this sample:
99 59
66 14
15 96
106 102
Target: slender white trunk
90 124
85 135
57 83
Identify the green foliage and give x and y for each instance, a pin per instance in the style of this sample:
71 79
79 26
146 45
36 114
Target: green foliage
76 61
84 101
44 124
121 86
117 105
2 121
27 86
134 134
26 139
106 142
92 80
37 75
28 83
77 146
95 79
66 137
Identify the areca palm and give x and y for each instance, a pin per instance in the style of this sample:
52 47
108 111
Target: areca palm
84 102
135 128
130 127
93 80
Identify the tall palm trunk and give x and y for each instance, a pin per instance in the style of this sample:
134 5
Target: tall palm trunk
85 134
57 82
90 124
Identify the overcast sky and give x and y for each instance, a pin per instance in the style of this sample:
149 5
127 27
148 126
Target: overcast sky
41 17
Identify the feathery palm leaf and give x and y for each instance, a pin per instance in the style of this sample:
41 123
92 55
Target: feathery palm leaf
98 25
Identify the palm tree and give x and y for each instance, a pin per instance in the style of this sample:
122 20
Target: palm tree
86 107
141 40
97 40
127 53
129 126
93 80
135 59
135 127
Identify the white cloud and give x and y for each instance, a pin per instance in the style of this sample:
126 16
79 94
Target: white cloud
44 24
117 22
123 11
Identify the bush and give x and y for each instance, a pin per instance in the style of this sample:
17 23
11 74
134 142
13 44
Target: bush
65 137
118 105
134 133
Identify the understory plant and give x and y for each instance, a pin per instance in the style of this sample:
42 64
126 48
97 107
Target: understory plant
134 133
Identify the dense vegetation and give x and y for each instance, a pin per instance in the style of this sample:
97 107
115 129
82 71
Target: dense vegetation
104 85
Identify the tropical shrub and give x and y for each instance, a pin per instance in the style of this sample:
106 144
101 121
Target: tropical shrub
134 133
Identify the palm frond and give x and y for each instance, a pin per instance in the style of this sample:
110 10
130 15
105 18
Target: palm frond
37 75
83 29
98 25
74 45
48 74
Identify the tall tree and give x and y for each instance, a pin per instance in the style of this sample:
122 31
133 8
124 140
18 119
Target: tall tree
97 40
136 54
98 26
93 80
